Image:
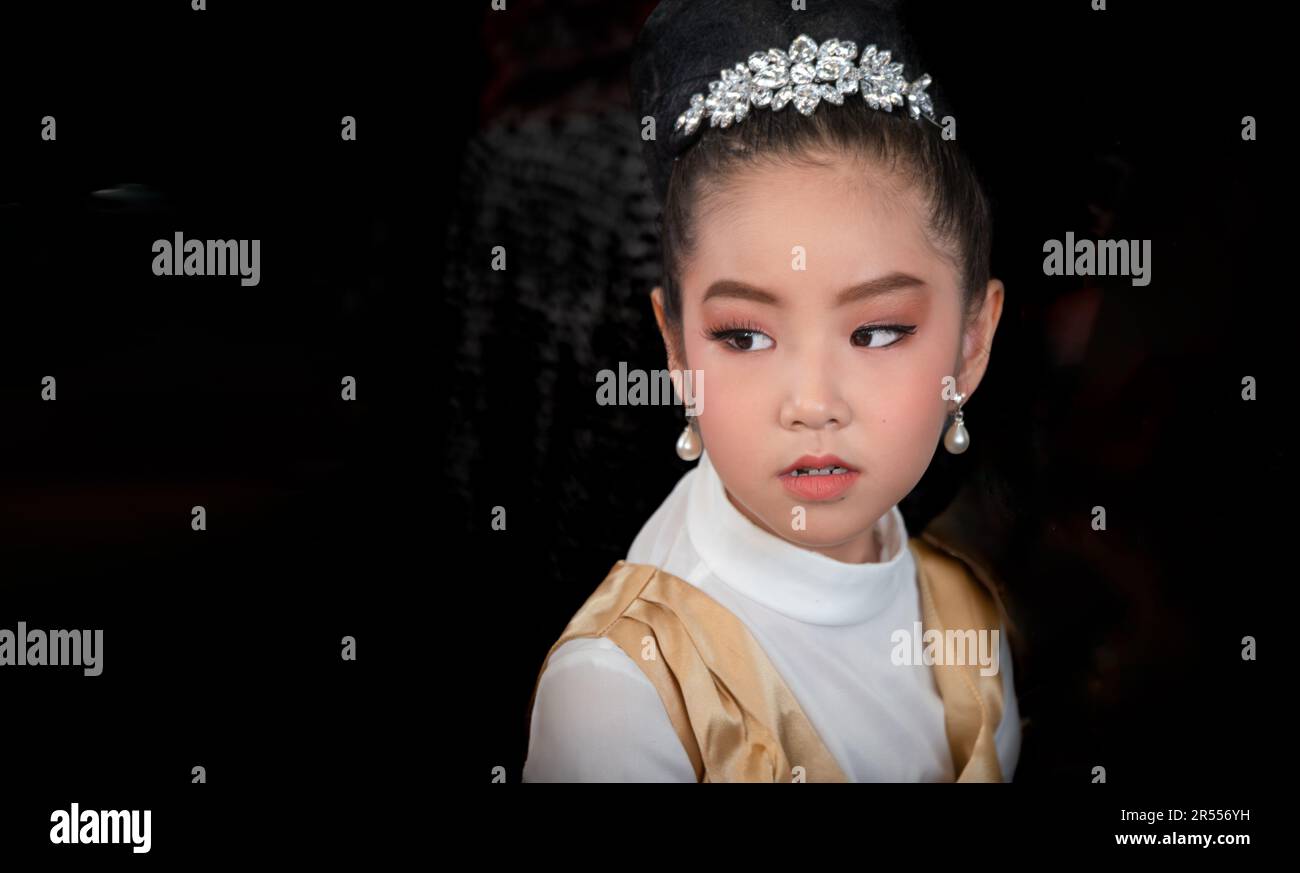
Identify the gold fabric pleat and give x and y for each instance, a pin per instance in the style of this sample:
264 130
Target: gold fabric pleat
732 711
953 598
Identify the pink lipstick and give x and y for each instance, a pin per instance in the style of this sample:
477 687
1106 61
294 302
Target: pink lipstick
818 477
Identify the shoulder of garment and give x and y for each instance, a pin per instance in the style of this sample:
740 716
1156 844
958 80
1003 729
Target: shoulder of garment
596 717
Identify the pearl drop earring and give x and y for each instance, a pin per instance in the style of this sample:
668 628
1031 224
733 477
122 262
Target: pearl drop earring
957 439
689 444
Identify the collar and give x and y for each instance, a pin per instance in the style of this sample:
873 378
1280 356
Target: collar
797 582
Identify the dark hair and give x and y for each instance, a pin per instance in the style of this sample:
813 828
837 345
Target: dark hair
913 150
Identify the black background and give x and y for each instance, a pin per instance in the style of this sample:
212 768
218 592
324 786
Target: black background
222 647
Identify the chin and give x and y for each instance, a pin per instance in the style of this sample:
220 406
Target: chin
820 534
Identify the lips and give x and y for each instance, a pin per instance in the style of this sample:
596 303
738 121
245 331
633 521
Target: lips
818 477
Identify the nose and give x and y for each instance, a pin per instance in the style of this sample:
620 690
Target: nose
814 399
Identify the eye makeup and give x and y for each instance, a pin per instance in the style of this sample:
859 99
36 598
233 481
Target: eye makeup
741 335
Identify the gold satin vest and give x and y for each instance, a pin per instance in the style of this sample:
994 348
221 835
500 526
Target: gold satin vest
732 711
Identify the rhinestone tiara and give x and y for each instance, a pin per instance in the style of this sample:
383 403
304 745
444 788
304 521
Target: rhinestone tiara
806 75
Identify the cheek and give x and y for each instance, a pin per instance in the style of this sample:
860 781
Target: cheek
909 396
731 402
906 413
907 408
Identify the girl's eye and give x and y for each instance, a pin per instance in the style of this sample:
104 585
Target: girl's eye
742 339
865 337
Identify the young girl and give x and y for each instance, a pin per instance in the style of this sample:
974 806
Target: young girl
826 282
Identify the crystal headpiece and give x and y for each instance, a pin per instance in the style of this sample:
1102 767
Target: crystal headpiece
805 75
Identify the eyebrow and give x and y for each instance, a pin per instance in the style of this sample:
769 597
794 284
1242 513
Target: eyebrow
886 284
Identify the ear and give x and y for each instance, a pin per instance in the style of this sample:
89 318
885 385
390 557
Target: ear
675 355
676 362
977 339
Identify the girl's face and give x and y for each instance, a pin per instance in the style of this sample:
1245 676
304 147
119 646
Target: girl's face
825 323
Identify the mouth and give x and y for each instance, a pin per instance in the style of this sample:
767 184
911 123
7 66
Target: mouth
818 477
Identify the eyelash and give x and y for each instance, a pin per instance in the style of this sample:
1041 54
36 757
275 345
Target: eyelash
728 332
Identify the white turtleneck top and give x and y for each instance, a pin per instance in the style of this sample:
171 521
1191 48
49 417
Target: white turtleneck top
824 624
